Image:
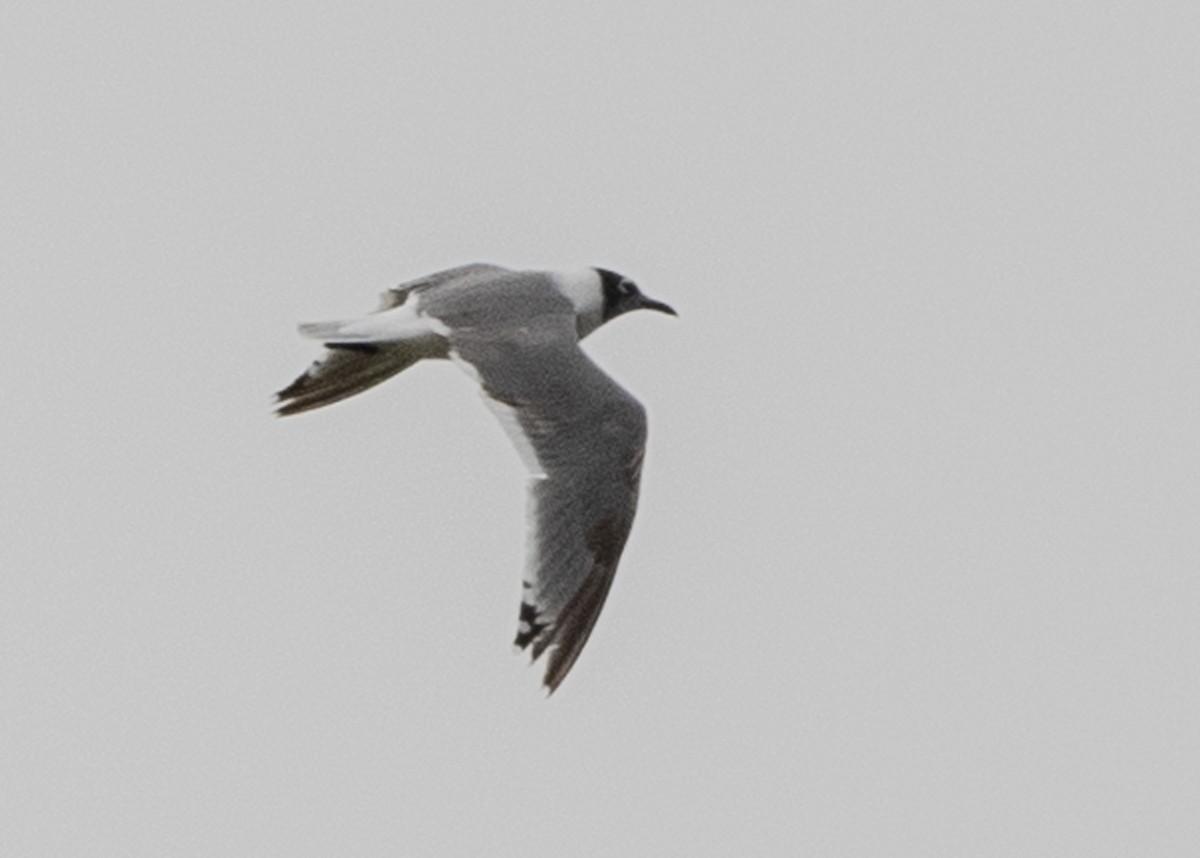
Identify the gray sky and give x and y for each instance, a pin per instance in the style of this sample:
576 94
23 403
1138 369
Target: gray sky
915 571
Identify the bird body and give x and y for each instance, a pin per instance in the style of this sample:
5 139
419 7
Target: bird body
580 435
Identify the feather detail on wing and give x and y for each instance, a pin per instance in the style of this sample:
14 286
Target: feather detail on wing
582 437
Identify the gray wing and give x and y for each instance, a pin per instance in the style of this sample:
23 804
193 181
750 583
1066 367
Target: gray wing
581 435
465 274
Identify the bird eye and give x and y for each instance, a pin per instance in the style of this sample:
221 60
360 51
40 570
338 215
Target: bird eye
627 288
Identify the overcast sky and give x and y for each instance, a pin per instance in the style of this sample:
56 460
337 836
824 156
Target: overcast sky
916 566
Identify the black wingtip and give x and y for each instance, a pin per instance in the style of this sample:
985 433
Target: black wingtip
529 627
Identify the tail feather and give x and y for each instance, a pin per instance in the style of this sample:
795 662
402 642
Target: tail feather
343 372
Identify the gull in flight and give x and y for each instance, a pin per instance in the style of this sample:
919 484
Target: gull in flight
579 433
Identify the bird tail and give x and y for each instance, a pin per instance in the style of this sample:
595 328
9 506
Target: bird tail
347 368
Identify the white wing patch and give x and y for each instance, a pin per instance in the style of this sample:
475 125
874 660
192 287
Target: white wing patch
438 327
508 419
507 416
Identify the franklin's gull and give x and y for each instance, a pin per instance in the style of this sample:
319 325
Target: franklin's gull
580 434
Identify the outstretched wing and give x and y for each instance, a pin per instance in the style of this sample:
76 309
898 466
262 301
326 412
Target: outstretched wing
582 437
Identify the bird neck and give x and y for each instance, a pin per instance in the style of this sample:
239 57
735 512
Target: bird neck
584 290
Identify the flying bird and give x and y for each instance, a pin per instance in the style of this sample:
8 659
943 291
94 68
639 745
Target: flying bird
580 434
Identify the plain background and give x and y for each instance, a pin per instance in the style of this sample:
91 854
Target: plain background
915 571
